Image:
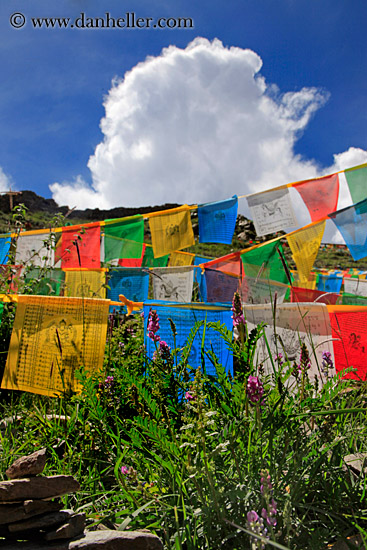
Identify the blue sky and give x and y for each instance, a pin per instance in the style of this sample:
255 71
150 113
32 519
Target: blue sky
56 84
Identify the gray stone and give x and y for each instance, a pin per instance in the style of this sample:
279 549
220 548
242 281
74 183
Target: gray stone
96 540
9 513
43 522
71 529
357 462
30 465
37 488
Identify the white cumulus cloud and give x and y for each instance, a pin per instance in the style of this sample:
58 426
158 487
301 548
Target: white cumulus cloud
5 181
197 125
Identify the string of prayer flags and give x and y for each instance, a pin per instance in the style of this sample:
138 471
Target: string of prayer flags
133 283
265 262
217 221
173 284
319 195
45 282
35 249
184 319
305 245
262 291
310 295
286 329
329 282
85 283
52 338
180 259
123 239
80 247
357 182
150 261
352 224
356 286
349 330
5 243
271 211
171 230
220 287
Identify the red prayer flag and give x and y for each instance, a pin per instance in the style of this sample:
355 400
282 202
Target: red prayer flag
319 195
81 247
310 295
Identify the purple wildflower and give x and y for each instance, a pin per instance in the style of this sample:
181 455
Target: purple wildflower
124 470
189 396
164 352
153 325
255 524
269 513
279 359
304 362
254 389
327 363
238 317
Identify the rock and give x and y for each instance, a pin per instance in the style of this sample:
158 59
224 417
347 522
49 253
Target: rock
10 513
30 465
71 529
96 540
43 522
358 462
37 488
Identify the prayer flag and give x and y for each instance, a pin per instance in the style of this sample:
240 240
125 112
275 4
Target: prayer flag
357 182
319 195
329 282
52 338
173 284
310 295
124 239
355 285
271 211
264 262
184 319
180 258
305 245
262 291
150 261
220 287
171 230
133 283
352 224
80 247
132 262
85 283
217 221
35 249
5 243
45 282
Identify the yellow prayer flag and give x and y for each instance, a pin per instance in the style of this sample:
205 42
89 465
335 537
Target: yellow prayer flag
52 338
171 231
181 259
89 283
305 245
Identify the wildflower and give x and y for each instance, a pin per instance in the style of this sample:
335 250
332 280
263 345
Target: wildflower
304 362
238 317
327 363
255 524
254 389
189 396
124 470
269 513
279 359
153 325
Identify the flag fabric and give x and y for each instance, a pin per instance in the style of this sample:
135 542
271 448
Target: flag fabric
305 245
184 317
35 249
309 284
171 230
85 283
357 182
352 224
80 247
180 259
230 263
52 338
220 287
353 300
150 261
123 239
132 262
264 262
133 283
262 291
173 284
286 328
311 295
271 211
319 195
45 282
5 243
329 282
217 221
355 285
199 278
349 330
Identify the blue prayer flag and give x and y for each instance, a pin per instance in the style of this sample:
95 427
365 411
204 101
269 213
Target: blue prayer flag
132 282
217 221
352 224
4 249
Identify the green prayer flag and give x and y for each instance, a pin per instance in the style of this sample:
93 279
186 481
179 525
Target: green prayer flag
264 262
124 239
150 261
357 182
